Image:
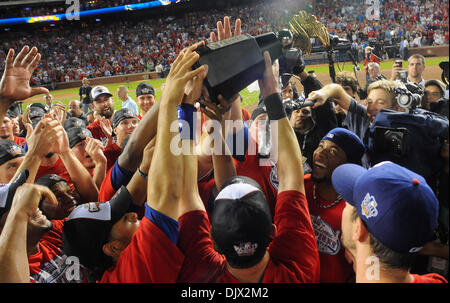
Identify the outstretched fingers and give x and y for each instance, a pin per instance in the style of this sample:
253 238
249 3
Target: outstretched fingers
18 61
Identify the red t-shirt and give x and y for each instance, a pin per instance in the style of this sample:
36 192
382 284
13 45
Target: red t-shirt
58 169
19 140
327 227
97 131
112 153
429 278
150 258
106 190
50 264
293 252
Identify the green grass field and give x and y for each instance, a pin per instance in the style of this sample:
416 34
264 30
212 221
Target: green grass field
66 95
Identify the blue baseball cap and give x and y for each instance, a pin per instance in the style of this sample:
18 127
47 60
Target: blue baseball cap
350 143
397 206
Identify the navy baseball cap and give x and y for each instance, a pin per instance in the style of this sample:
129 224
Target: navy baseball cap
89 225
73 122
144 88
352 145
122 114
397 206
77 134
241 222
10 150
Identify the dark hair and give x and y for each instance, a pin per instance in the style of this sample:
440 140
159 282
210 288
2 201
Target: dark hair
347 79
387 256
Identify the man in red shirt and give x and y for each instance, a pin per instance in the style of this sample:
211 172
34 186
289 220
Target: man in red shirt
243 245
40 258
390 214
6 131
145 95
122 248
103 104
124 122
337 147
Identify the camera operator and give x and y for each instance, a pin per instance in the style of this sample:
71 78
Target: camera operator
350 84
310 125
381 95
434 97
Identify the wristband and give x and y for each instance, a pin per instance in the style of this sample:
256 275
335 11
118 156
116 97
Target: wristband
186 120
274 106
142 174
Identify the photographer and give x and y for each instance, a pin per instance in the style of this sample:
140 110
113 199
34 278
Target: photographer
416 66
434 98
359 118
310 125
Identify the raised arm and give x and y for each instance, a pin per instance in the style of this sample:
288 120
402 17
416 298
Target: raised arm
223 163
330 91
165 188
14 266
39 144
289 163
82 180
15 82
94 150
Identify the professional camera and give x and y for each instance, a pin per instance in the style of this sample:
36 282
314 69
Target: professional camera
412 140
409 97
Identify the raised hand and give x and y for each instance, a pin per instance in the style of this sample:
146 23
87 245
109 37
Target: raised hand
224 30
15 82
27 197
59 112
41 140
180 74
94 148
269 83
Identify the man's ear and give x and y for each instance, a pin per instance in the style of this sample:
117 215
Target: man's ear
113 249
359 231
91 106
273 232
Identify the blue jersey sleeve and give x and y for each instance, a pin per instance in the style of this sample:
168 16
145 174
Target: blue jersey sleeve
166 224
120 176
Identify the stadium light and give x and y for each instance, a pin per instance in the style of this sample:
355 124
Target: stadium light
93 12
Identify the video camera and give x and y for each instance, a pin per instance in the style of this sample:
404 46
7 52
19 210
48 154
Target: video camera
409 97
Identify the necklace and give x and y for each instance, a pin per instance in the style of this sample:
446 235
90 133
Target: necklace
338 199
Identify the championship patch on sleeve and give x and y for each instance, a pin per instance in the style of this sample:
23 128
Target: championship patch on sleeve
92 210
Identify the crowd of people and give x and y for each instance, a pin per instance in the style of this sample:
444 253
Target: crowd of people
183 197
102 50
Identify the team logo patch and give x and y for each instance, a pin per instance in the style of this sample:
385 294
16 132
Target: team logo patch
245 249
274 177
369 206
14 150
327 238
92 210
146 90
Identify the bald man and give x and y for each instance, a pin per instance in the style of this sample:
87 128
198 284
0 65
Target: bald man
127 102
76 110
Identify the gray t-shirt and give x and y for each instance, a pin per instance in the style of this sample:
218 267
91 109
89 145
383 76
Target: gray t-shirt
358 122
